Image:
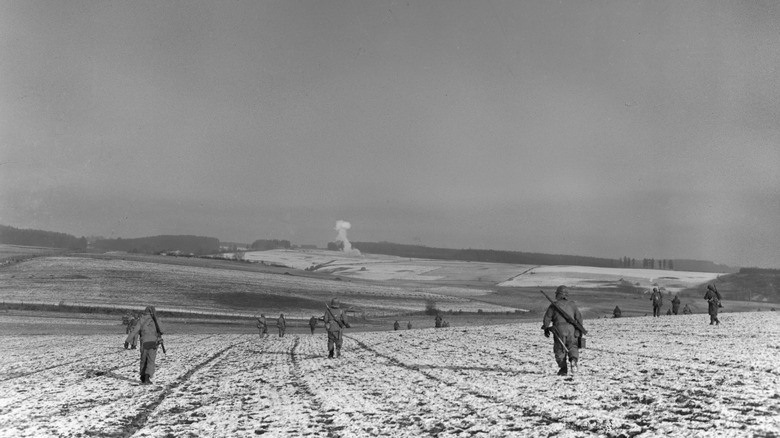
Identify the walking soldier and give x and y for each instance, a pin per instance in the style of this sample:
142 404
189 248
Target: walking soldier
335 322
564 321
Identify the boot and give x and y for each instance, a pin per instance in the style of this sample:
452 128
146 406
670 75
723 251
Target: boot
147 380
573 366
330 354
338 352
563 371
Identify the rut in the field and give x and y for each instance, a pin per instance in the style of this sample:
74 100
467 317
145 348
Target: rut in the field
143 415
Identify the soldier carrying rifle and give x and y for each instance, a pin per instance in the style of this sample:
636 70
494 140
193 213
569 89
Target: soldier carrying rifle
564 321
151 336
335 322
713 303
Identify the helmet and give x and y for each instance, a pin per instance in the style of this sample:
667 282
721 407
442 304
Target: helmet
561 292
335 303
711 287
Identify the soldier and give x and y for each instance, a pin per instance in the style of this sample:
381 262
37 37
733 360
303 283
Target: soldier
151 335
617 313
262 326
675 304
131 324
565 334
281 323
668 312
335 321
312 323
658 300
713 302
687 310
715 289
396 326
437 321
409 325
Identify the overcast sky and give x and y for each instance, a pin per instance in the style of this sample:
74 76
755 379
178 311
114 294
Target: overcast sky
598 128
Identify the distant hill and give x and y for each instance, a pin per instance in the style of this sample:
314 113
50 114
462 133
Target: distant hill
481 255
516 257
750 284
48 239
195 245
702 266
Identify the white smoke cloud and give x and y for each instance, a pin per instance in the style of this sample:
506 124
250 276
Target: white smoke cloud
342 227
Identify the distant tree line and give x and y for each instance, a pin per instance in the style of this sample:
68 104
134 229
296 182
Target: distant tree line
195 245
339 246
481 255
627 262
766 271
269 244
48 239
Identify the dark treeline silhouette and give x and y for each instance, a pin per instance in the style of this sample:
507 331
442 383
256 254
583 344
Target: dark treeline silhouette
702 266
763 271
482 255
264 245
195 245
49 239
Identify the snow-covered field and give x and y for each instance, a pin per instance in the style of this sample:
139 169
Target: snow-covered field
592 277
383 267
668 376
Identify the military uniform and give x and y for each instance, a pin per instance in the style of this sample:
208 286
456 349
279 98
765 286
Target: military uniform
130 326
396 326
437 321
565 334
281 324
335 321
409 325
617 313
312 324
713 302
262 326
149 329
658 300
687 310
675 304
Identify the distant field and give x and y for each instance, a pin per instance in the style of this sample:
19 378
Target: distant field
298 282
209 286
16 251
597 290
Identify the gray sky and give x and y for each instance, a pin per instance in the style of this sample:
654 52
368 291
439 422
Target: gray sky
599 128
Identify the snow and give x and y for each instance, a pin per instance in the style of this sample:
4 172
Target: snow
593 277
668 376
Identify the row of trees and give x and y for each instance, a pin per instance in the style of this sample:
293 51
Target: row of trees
265 245
48 239
195 245
627 262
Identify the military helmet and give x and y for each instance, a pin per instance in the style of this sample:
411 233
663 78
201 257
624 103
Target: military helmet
561 292
711 287
335 303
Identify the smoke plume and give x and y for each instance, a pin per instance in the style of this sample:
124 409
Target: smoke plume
342 227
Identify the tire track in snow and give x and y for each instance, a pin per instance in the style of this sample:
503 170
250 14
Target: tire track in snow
527 411
13 376
142 417
299 383
681 364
